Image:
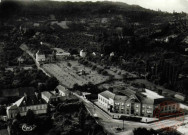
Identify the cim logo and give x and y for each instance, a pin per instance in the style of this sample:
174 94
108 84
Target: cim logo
169 110
28 128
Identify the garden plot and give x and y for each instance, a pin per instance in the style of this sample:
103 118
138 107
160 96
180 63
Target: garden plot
70 75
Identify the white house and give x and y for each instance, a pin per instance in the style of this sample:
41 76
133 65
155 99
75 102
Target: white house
40 57
106 98
112 54
49 97
179 96
63 91
83 53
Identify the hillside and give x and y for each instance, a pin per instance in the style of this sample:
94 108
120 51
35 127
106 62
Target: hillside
150 43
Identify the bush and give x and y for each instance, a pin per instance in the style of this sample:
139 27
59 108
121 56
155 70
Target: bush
99 70
104 72
68 64
119 73
94 67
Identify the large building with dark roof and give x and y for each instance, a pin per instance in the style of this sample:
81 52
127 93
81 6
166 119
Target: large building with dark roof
129 102
32 102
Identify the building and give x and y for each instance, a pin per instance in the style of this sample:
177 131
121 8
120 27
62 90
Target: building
106 98
62 91
180 96
20 60
34 103
60 53
83 53
49 97
40 57
133 103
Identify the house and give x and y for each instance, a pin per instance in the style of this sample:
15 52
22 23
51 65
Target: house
130 103
20 59
83 53
180 96
106 98
49 97
60 53
25 103
112 54
40 57
104 20
62 91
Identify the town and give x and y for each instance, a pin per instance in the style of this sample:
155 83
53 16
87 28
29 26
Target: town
112 72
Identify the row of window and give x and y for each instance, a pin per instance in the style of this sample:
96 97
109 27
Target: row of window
38 107
164 108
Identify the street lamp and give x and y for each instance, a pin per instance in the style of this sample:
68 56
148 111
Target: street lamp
123 124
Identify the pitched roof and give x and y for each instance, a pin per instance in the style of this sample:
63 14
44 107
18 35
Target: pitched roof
152 101
47 94
62 88
107 94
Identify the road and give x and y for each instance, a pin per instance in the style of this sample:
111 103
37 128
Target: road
110 124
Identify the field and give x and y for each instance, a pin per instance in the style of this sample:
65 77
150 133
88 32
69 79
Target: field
70 75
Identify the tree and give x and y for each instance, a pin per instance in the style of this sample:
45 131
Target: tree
30 117
51 83
82 117
2 110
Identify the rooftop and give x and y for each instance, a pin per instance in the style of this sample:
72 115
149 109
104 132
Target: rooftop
27 101
47 94
62 88
152 95
107 94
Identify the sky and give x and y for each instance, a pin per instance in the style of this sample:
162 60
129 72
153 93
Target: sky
164 5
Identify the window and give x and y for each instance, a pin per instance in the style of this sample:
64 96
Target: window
122 103
143 106
128 105
148 111
169 107
136 110
136 106
165 107
143 111
173 106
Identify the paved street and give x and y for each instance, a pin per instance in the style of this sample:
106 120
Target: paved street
110 124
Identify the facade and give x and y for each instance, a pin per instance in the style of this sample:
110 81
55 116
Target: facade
40 57
20 60
49 97
137 103
62 91
106 98
34 103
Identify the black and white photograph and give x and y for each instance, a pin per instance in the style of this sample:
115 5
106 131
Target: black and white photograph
93 67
